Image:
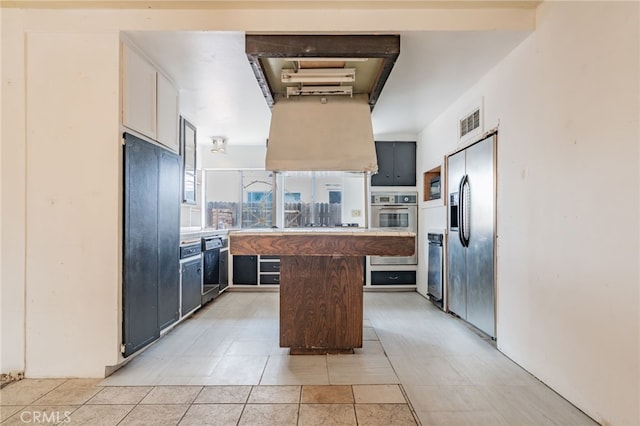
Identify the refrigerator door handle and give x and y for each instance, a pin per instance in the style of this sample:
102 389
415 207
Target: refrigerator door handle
463 210
460 207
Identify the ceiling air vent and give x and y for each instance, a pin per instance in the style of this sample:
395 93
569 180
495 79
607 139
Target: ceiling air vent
470 122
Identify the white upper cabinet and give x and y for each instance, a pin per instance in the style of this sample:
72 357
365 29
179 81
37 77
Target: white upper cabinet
150 101
167 113
139 93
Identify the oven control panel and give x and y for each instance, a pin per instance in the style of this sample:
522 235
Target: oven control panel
394 198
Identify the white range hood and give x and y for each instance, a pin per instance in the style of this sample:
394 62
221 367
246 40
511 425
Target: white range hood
321 133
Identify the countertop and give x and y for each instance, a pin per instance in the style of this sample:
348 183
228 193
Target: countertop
369 232
189 235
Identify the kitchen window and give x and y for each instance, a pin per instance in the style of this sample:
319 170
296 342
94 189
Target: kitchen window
238 199
247 199
316 199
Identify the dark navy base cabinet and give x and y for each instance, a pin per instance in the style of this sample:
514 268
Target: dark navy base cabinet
191 276
245 270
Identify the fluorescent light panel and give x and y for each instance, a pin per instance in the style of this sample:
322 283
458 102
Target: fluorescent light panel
319 75
326 59
320 90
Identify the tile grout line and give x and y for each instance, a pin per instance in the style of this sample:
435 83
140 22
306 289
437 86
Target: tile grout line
299 406
408 401
47 393
355 412
33 403
244 406
188 406
263 370
134 405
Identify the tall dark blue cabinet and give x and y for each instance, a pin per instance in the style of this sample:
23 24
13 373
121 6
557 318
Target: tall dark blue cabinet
151 281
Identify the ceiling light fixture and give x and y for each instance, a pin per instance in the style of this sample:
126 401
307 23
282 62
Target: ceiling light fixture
319 75
219 145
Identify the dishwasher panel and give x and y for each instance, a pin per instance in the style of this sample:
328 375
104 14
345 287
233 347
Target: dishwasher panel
190 277
434 273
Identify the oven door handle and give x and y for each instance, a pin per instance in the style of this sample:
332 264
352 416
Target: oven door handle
393 210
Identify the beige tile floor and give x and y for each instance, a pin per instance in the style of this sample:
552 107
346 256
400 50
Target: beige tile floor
223 366
77 401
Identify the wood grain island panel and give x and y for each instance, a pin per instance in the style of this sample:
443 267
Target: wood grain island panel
323 243
321 304
321 280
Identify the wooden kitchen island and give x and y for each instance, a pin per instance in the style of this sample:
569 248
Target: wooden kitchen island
321 280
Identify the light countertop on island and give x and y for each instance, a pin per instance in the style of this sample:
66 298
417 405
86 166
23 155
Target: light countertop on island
323 230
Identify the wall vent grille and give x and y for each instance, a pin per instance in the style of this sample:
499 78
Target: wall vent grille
470 122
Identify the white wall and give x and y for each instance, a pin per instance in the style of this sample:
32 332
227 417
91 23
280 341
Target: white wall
223 185
237 157
566 101
13 225
69 205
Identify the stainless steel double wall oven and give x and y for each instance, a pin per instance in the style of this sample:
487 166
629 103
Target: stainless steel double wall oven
395 211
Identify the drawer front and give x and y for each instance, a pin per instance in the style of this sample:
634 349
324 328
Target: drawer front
269 256
393 277
269 266
269 279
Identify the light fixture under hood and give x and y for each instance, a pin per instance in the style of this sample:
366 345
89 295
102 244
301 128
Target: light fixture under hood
319 90
322 75
312 134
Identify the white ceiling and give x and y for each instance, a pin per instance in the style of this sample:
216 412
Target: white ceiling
220 95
